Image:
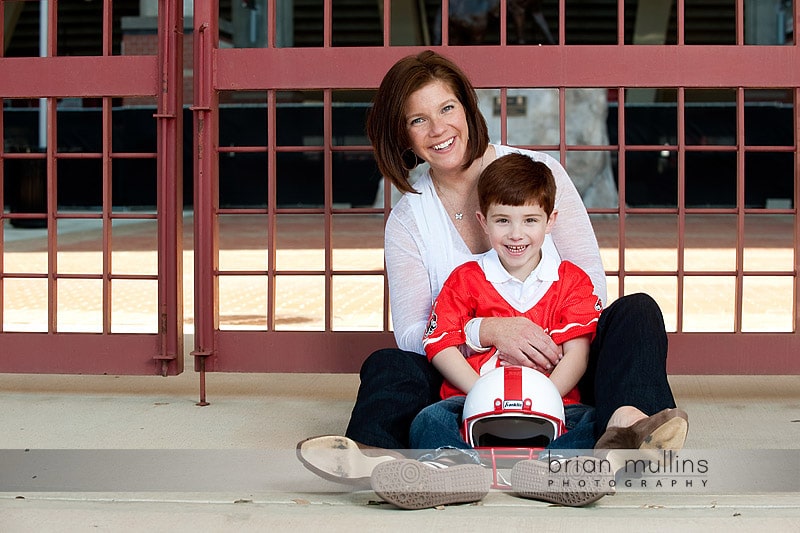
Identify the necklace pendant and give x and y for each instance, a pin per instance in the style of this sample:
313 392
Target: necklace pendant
459 216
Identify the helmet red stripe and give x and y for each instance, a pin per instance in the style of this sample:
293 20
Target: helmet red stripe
513 383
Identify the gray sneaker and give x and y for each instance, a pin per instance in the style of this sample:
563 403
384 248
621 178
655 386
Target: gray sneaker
574 482
412 484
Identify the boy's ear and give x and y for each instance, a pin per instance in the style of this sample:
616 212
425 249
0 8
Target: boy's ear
481 220
551 220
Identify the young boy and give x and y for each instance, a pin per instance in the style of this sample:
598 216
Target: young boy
517 278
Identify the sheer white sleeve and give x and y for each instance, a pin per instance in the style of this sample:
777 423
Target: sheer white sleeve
410 294
573 234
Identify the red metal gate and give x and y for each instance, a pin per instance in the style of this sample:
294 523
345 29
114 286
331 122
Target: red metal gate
70 299
724 268
288 265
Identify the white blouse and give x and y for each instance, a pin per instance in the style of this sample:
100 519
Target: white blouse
422 247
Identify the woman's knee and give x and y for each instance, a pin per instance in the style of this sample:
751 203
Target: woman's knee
396 369
639 308
394 362
636 302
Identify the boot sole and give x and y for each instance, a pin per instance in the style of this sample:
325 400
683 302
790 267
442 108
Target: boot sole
342 460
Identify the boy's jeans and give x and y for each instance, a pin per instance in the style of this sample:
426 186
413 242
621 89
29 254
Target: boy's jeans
437 430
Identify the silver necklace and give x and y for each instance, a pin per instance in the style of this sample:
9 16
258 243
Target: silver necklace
458 214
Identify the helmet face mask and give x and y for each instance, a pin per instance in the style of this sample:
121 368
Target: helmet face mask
513 407
523 431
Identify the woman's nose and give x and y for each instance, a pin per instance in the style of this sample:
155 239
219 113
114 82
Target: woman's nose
436 126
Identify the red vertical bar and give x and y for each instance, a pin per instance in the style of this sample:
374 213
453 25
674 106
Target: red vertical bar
796 201
681 23
387 185
327 23
504 115
272 24
108 27
52 200
170 187
328 203
52 28
681 203
740 208
445 22
739 24
272 205
52 221
621 187
106 213
503 22
562 126
206 35
2 182
795 29
387 22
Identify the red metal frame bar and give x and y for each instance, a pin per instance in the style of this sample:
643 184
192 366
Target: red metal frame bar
572 66
169 121
206 119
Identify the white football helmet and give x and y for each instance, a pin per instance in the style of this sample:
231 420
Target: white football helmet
513 407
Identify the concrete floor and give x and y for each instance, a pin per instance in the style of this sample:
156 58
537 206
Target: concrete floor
135 453
110 453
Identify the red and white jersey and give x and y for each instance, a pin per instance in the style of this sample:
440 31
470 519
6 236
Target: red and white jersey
567 310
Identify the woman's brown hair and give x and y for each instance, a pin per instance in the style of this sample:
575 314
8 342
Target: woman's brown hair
386 121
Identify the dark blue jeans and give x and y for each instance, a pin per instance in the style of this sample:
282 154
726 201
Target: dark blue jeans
439 426
627 366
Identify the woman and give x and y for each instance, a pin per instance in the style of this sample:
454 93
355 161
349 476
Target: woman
426 111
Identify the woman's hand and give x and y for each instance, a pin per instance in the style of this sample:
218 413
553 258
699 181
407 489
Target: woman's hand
520 342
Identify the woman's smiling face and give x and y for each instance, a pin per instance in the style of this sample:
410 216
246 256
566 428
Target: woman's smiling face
437 126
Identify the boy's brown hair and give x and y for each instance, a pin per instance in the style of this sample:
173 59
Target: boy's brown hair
516 179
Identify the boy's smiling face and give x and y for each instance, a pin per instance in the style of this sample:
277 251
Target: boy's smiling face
516 232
